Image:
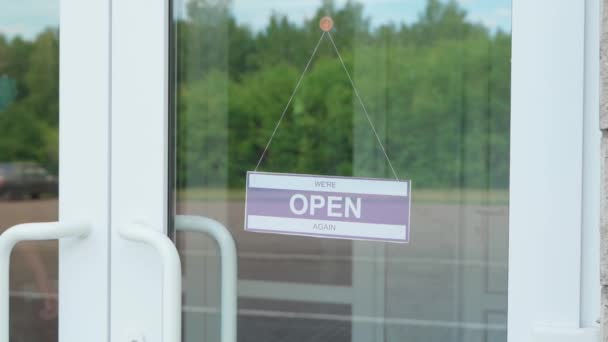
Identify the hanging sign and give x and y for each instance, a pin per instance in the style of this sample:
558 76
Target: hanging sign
326 206
333 207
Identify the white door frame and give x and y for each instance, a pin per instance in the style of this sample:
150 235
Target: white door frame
554 190
84 157
114 168
140 82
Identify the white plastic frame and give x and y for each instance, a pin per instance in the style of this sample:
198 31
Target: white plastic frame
554 203
139 148
84 170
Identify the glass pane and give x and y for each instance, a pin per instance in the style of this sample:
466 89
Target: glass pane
29 116
434 78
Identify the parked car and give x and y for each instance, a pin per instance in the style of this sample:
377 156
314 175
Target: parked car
26 180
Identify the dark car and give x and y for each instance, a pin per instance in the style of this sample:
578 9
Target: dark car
26 180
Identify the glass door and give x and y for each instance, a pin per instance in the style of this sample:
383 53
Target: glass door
416 91
29 107
302 171
447 102
54 171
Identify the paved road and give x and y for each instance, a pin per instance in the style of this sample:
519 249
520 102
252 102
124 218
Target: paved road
449 284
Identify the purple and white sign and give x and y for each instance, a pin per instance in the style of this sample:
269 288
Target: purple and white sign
331 207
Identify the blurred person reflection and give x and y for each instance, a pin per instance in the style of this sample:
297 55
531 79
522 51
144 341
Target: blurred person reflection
43 282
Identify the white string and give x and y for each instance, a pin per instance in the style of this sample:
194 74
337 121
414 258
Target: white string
289 102
363 106
352 83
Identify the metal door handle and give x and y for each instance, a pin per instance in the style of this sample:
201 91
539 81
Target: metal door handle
28 232
227 249
171 276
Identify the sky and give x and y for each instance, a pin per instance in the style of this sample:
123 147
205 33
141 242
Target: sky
492 13
28 17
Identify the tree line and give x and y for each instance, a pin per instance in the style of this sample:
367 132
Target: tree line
437 91
29 99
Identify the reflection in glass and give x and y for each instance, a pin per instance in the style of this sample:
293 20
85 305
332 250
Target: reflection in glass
29 116
436 82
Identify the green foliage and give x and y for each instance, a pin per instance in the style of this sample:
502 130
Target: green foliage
437 92
29 125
